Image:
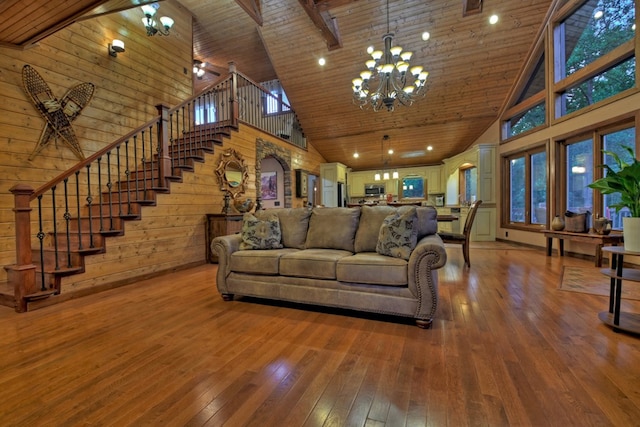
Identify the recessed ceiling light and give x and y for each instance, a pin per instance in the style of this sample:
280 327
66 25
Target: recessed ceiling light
426 36
322 61
370 50
429 148
493 19
390 151
356 155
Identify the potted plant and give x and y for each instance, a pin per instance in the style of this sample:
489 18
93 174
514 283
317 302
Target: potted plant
626 182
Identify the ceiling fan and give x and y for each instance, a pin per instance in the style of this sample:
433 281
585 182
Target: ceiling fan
200 68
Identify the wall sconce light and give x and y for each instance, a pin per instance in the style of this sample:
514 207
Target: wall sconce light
115 47
151 25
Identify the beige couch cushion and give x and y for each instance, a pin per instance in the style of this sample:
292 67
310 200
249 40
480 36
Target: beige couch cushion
259 261
372 268
427 221
312 263
370 221
294 223
333 228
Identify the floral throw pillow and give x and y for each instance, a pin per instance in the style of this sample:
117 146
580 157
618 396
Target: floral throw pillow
398 234
260 234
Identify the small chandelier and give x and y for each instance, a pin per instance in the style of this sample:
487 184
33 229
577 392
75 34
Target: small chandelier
151 25
388 77
385 163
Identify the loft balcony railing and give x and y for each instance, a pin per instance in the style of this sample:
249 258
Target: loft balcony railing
69 217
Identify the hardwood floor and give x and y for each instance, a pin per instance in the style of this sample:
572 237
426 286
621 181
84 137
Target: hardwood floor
506 348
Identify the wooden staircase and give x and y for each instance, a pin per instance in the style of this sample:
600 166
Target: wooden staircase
75 213
63 253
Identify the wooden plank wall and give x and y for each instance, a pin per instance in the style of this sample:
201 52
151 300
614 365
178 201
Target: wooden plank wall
151 71
172 234
128 87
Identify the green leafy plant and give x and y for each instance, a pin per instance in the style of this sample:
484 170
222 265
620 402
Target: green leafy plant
624 181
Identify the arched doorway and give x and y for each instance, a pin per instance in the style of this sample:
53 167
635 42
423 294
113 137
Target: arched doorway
266 149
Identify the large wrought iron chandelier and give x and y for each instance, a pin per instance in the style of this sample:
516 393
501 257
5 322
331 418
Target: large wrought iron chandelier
389 79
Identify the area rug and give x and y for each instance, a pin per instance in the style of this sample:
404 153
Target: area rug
590 280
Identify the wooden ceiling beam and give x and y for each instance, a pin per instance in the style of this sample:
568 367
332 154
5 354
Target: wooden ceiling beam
56 26
252 7
324 22
471 7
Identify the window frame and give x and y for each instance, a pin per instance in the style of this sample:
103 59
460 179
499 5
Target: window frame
505 216
597 135
562 83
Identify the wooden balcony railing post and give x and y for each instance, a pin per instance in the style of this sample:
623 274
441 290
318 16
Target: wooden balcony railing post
164 160
233 100
22 275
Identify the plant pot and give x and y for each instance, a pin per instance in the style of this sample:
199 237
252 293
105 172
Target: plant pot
631 232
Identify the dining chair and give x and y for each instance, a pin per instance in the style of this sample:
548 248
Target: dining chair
463 238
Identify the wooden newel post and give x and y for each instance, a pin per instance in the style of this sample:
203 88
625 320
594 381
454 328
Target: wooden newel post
233 100
22 275
164 160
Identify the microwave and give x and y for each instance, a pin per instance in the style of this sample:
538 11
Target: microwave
374 190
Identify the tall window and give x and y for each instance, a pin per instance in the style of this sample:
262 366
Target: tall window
469 183
614 142
527 188
205 113
582 156
538 167
276 101
595 54
579 173
529 110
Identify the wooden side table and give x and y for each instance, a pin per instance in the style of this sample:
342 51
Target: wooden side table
220 225
598 239
616 318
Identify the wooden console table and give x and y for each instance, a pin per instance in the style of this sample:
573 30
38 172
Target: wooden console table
220 225
615 318
598 239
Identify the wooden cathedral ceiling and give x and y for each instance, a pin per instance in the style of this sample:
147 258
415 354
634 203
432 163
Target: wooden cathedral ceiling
472 64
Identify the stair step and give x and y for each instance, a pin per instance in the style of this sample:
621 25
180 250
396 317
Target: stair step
129 209
60 272
66 258
139 183
98 225
40 295
144 197
91 243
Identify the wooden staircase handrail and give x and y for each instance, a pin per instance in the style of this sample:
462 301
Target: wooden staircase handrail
205 90
259 86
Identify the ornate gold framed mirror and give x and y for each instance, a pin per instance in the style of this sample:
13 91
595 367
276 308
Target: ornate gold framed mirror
232 173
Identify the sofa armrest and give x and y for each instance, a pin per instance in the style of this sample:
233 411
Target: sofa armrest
224 246
428 256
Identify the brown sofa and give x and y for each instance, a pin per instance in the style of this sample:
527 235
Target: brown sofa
328 258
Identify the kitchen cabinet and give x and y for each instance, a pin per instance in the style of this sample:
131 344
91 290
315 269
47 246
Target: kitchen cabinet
333 184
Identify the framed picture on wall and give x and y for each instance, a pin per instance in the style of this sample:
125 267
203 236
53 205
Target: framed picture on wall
301 183
269 185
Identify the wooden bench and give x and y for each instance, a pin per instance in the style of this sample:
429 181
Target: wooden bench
593 238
